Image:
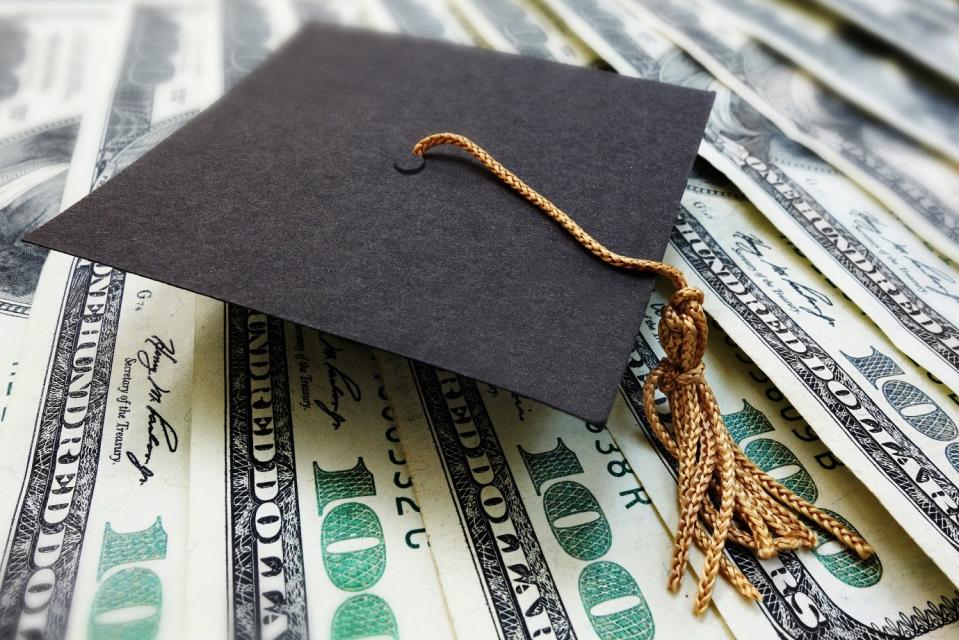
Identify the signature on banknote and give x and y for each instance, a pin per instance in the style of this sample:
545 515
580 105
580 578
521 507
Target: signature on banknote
156 356
336 378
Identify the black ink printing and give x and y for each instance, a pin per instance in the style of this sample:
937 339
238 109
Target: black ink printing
152 359
335 377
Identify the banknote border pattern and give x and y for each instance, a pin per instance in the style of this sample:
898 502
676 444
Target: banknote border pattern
465 496
241 505
26 523
934 342
884 460
778 596
916 195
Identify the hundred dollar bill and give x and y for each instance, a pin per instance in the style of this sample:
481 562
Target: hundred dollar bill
890 87
928 30
249 31
262 589
165 78
919 187
50 55
825 593
96 452
884 417
421 18
515 26
297 461
344 12
96 459
538 525
901 284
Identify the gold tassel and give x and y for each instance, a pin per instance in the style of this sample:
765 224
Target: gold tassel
723 496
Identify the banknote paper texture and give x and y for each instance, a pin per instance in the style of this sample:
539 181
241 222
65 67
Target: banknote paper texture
829 592
99 454
916 185
519 27
248 31
903 286
51 58
97 459
344 12
414 17
824 593
879 413
890 87
298 461
421 18
924 29
537 522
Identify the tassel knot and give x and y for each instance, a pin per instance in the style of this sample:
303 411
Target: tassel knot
670 378
723 496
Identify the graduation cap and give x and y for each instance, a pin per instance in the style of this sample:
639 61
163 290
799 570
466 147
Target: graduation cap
296 194
285 197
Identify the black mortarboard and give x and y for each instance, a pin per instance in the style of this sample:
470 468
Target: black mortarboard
283 197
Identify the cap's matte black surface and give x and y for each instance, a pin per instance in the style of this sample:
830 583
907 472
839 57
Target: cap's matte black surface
284 197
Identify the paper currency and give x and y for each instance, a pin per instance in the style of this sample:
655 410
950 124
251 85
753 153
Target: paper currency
249 30
422 18
96 457
825 593
912 182
537 523
879 413
297 460
316 529
414 17
519 27
928 30
96 449
887 271
345 12
51 56
889 86
165 78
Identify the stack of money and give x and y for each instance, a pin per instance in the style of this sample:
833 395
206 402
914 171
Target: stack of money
173 466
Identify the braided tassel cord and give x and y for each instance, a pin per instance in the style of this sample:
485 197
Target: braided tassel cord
723 496
720 489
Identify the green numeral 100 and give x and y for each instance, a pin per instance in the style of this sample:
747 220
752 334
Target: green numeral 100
129 603
610 595
354 552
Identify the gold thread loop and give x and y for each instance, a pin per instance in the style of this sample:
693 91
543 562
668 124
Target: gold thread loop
723 496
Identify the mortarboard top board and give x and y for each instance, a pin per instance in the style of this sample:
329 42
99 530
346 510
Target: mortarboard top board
283 197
